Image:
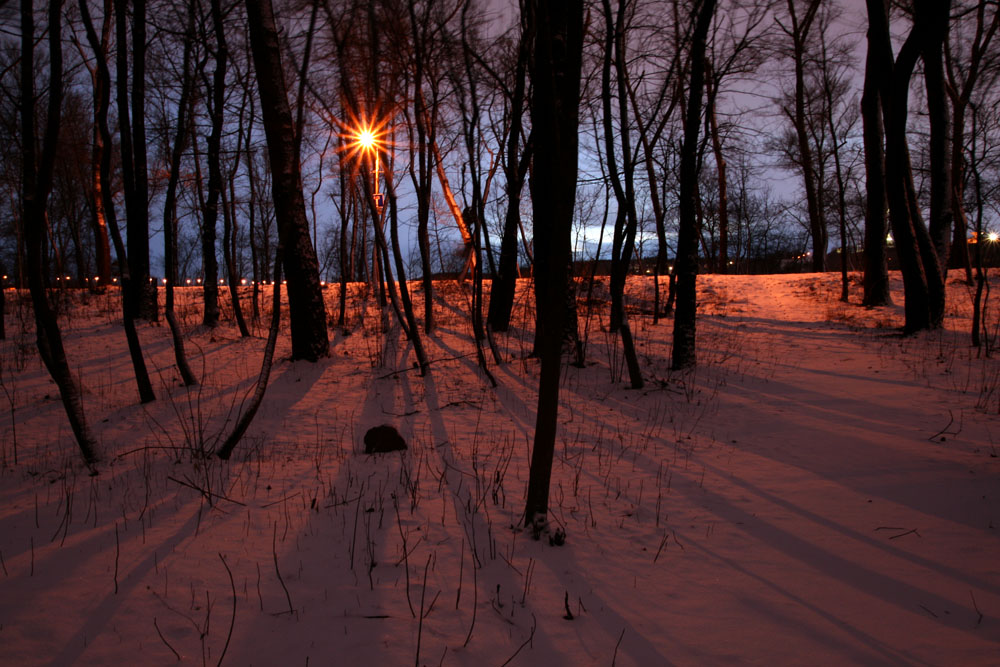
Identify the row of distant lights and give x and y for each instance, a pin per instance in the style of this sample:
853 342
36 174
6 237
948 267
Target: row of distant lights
992 237
188 281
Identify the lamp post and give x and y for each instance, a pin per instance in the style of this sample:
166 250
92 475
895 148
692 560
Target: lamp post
366 139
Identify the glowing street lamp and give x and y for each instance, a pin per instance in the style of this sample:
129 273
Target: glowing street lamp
993 237
368 138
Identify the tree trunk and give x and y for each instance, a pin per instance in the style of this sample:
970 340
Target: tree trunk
245 419
626 221
170 206
894 77
230 230
686 268
421 172
876 226
817 226
932 17
102 245
307 311
140 298
216 95
143 384
711 91
36 186
504 286
554 115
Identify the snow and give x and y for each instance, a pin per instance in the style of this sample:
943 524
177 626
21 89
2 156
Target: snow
820 490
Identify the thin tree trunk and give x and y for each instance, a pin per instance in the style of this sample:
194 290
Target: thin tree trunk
140 298
626 221
876 226
504 286
686 268
799 34
933 17
36 186
170 207
102 245
307 312
144 386
230 231
555 118
711 91
233 439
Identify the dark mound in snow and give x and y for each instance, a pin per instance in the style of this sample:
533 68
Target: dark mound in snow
384 438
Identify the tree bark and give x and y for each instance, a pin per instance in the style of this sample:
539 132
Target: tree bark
307 312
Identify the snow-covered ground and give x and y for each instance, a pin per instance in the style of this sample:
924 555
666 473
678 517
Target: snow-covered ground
819 490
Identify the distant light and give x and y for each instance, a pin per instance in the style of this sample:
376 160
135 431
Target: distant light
188 281
243 281
888 238
993 237
164 281
366 138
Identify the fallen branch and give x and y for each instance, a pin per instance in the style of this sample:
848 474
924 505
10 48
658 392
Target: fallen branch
614 657
527 641
976 607
176 654
208 494
274 554
232 621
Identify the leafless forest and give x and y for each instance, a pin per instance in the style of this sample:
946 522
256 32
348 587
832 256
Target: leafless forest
224 146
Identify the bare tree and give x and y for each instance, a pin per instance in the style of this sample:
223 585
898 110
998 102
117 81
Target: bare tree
128 292
797 26
734 49
516 157
36 187
170 198
554 117
684 354
307 312
923 278
876 224
102 244
626 219
141 290
966 72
